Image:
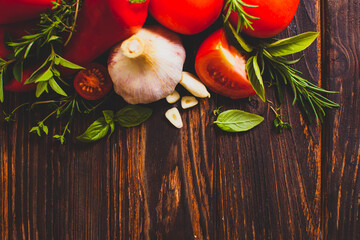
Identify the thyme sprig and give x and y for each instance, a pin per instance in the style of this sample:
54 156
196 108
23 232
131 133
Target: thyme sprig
237 6
46 42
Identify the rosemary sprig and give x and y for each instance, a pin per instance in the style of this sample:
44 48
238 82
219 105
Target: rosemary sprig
237 6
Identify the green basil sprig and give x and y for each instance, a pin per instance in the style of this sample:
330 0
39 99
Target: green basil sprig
129 116
237 120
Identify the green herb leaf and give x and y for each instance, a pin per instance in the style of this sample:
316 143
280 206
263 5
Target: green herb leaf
45 76
40 88
18 70
236 38
237 121
65 63
53 84
133 115
109 116
291 45
255 78
95 131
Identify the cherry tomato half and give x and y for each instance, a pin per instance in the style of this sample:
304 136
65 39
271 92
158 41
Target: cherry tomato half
274 16
222 68
94 82
186 16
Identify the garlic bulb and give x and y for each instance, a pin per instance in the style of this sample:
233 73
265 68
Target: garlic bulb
147 66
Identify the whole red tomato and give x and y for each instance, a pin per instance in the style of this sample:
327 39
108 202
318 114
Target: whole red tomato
186 16
222 68
273 16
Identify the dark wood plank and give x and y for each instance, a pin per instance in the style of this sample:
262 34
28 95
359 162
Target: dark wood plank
269 184
342 149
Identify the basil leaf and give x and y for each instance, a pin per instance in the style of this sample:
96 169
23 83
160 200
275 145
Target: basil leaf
240 43
65 63
237 121
44 77
109 116
53 84
291 45
95 131
255 78
132 115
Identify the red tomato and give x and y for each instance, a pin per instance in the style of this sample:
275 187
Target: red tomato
186 16
93 82
274 16
222 68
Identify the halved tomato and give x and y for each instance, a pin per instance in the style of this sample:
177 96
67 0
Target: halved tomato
222 68
93 82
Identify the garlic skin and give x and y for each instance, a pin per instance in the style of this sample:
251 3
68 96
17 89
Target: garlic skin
147 66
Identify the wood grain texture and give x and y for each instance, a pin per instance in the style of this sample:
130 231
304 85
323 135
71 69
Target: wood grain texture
342 150
158 182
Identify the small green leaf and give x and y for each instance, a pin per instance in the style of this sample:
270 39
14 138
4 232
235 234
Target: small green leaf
109 116
237 121
95 131
53 84
235 37
36 130
291 45
40 88
65 63
255 78
18 70
60 138
45 129
132 115
45 76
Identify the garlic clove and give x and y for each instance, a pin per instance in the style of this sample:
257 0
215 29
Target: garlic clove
147 66
173 97
188 102
194 85
173 115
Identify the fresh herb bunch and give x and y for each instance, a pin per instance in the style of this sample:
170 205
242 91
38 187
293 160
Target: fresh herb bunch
267 58
47 40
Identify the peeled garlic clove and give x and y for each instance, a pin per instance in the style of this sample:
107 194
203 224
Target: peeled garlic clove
194 85
147 66
188 102
173 97
174 117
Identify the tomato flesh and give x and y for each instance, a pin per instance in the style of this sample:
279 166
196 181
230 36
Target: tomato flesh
93 83
186 16
273 16
222 68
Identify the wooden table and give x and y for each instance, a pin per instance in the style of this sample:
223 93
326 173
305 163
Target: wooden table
158 182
